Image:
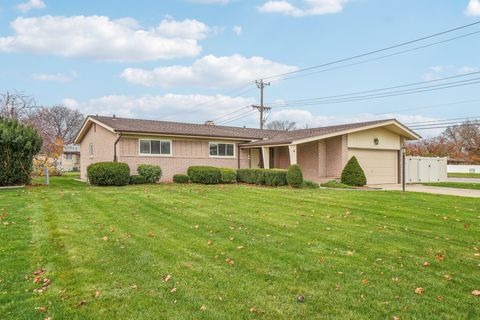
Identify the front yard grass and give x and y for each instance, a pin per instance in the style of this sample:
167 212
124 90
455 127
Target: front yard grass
463 175
460 185
175 251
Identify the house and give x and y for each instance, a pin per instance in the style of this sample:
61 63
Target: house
320 152
70 158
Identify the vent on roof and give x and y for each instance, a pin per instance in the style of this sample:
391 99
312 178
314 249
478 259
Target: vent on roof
114 118
209 123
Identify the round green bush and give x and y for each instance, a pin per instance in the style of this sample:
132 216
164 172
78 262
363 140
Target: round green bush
151 173
294 176
181 178
18 145
204 174
353 174
108 174
228 175
275 177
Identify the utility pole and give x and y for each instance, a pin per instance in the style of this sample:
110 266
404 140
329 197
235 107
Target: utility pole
261 108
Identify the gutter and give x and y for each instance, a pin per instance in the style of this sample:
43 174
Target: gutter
115 158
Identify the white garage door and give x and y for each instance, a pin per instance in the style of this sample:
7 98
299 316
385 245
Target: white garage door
380 166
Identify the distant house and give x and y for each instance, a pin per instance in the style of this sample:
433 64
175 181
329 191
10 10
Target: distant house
320 152
70 158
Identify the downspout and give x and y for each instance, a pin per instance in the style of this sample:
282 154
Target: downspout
115 158
238 157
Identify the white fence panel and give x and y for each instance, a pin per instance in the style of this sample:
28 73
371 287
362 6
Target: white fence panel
462 168
423 169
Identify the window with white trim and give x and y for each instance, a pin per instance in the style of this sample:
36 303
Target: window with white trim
222 149
155 147
90 150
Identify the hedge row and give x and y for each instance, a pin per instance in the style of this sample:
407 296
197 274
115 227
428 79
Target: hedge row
118 174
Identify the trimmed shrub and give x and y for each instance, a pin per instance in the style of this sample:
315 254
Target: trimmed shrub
336 184
108 174
353 174
275 177
18 145
151 173
228 175
204 174
181 178
252 176
137 180
307 184
294 176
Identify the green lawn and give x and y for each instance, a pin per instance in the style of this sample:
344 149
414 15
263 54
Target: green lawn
236 252
460 185
464 175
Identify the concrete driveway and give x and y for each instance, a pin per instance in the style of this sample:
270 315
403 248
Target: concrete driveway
434 190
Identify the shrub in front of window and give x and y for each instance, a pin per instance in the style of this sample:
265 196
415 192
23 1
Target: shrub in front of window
228 175
204 174
275 177
108 174
18 145
151 173
294 176
137 180
181 178
353 174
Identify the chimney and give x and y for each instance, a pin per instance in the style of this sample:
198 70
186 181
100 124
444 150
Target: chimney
114 118
209 123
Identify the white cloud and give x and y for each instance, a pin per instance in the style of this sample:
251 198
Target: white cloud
439 72
237 30
158 107
310 7
100 38
210 1
55 77
31 4
473 8
209 71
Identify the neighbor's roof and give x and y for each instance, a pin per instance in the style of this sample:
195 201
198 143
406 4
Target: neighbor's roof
259 137
288 137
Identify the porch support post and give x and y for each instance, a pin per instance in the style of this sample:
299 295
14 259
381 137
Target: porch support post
266 157
293 153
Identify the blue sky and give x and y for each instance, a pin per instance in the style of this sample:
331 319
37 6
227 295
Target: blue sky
187 60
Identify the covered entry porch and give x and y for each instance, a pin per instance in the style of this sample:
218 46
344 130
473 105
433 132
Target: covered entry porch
320 160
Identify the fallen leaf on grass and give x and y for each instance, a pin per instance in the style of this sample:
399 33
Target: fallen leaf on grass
419 291
82 303
41 309
105 238
440 257
150 234
426 264
476 293
365 281
448 277
209 242
98 294
167 277
134 286
5 223
240 247
173 290
229 261
466 226
440 298
197 226
203 307
301 298
253 309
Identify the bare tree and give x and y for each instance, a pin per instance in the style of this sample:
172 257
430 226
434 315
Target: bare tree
16 105
58 126
283 125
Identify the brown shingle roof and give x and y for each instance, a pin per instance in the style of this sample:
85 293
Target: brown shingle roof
286 137
177 128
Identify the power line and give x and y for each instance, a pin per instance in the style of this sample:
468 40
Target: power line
373 52
430 106
442 120
230 113
241 116
377 58
375 90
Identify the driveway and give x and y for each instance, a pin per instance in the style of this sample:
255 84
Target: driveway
434 190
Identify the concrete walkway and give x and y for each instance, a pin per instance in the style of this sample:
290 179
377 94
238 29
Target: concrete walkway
434 190
465 180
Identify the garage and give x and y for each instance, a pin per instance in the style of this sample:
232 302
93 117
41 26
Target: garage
380 166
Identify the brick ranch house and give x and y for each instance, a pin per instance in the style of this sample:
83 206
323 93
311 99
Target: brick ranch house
320 152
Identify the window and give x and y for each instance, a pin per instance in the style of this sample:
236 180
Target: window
155 147
90 150
222 149
68 156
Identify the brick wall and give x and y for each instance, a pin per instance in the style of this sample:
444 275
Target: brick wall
102 141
